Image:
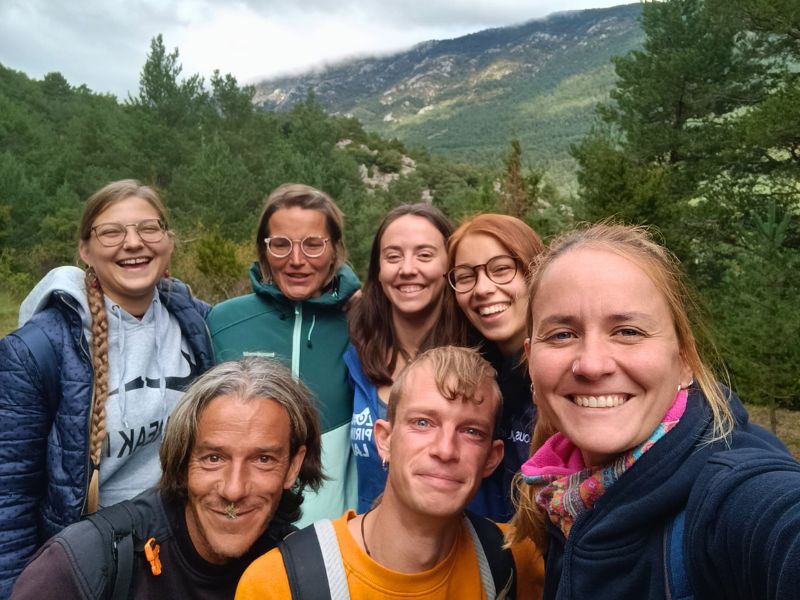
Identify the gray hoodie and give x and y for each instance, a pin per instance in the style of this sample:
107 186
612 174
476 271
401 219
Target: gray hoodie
148 363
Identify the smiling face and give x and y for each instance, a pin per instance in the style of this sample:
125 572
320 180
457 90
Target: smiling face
413 262
497 311
129 272
297 276
240 457
439 450
603 354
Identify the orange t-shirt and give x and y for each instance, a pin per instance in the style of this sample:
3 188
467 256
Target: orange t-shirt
456 576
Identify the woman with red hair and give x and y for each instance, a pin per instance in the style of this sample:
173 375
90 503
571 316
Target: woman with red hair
489 255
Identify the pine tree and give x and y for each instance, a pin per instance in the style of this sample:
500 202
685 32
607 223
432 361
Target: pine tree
514 200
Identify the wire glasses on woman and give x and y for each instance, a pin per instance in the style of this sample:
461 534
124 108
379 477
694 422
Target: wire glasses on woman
281 246
500 269
150 231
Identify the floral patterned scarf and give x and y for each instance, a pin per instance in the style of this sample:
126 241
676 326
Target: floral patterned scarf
568 487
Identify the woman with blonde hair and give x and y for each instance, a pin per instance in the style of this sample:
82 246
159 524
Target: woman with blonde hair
489 258
90 378
653 484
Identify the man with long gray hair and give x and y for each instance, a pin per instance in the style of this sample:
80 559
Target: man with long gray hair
239 449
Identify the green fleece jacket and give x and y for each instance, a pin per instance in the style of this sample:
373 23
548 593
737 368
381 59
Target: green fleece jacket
310 336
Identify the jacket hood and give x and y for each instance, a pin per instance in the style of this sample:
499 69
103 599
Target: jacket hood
67 281
343 285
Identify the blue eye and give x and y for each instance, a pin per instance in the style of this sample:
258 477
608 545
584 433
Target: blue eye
475 432
628 332
561 335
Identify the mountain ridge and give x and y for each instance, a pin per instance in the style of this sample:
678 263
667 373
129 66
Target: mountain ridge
466 97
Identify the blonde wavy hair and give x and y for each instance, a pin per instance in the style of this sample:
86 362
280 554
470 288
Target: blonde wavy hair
636 244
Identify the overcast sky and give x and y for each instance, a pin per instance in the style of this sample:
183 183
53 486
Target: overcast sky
104 43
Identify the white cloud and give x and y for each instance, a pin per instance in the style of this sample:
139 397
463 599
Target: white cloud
103 43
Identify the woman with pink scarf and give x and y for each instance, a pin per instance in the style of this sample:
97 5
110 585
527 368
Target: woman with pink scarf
647 481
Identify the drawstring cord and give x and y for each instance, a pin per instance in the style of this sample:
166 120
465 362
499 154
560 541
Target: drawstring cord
311 329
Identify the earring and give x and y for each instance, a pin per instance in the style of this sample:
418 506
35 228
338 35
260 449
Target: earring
384 464
91 277
166 274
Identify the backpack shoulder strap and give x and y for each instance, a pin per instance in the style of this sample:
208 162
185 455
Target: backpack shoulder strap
496 564
44 356
311 554
677 582
116 526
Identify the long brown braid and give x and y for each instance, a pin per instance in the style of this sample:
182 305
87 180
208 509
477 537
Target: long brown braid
115 191
97 427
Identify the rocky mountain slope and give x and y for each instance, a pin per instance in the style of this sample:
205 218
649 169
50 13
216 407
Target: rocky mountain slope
468 97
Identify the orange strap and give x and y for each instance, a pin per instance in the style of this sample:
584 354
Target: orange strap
151 550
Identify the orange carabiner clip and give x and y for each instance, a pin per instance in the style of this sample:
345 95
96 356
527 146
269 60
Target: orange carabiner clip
151 550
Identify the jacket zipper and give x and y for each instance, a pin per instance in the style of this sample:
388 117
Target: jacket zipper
84 348
298 326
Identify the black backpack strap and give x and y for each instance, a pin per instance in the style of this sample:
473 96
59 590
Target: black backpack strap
44 357
500 561
313 563
116 526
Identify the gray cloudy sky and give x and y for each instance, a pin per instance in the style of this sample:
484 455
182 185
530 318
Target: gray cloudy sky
104 43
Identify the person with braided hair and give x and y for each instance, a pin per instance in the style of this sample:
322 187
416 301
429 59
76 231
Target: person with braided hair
88 380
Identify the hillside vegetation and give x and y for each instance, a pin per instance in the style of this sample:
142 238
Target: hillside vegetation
213 156
465 98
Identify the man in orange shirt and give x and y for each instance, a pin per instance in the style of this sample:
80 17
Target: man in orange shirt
438 443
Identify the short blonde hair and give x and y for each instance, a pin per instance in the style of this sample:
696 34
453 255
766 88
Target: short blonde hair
460 374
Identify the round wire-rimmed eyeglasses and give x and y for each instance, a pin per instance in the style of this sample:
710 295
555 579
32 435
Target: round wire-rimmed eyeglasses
281 246
150 231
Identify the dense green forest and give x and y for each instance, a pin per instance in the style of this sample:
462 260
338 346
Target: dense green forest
212 155
701 139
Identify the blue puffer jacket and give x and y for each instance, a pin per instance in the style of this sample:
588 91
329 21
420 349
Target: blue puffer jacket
44 464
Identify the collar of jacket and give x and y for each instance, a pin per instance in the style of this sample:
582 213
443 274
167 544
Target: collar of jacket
343 285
